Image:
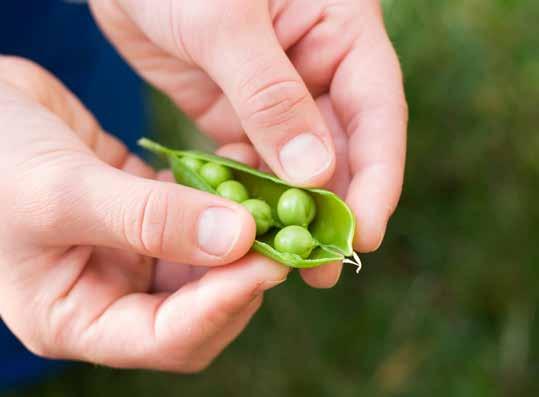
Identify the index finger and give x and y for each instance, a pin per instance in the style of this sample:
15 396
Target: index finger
368 95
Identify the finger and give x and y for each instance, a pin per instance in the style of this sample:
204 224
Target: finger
90 203
325 44
323 276
220 122
246 60
170 276
166 331
135 166
223 292
341 178
368 95
39 87
293 19
219 297
244 153
165 176
327 276
184 82
110 208
273 104
214 346
241 152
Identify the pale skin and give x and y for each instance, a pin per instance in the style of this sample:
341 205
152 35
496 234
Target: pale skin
256 76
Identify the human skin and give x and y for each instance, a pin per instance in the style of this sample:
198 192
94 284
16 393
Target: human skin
250 73
89 291
81 219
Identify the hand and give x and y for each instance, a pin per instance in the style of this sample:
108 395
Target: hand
248 66
79 220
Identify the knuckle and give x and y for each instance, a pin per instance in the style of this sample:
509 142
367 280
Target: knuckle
275 103
146 230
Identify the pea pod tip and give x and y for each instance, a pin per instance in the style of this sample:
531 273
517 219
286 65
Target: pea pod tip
354 260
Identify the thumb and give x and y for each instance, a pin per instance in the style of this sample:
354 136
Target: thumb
157 219
235 43
274 105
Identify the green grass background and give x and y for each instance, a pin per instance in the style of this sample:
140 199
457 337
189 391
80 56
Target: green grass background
448 306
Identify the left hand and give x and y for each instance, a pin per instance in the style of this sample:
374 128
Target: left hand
242 67
81 220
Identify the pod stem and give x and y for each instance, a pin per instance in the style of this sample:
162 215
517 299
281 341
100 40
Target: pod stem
354 260
154 147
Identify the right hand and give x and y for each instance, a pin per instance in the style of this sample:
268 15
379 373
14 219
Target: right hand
80 220
254 70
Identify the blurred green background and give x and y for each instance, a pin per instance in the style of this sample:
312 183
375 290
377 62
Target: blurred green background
448 306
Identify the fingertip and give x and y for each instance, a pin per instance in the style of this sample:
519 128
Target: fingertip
247 234
322 277
269 272
371 222
165 176
225 231
241 152
135 166
373 195
250 276
368 239
266 268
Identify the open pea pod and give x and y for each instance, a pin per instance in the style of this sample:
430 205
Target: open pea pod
332 228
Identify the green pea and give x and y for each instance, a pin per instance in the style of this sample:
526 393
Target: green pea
294 240
261 212
233 190
192 163
296 207
215 174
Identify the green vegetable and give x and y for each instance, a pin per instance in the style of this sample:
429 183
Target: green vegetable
332 228
215 174
294 240
192 163
233 190
261 212
296 207
186 176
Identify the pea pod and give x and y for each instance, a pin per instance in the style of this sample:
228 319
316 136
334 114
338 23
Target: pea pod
332 228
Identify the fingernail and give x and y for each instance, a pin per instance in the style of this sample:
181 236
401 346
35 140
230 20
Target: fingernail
304 157
218 230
